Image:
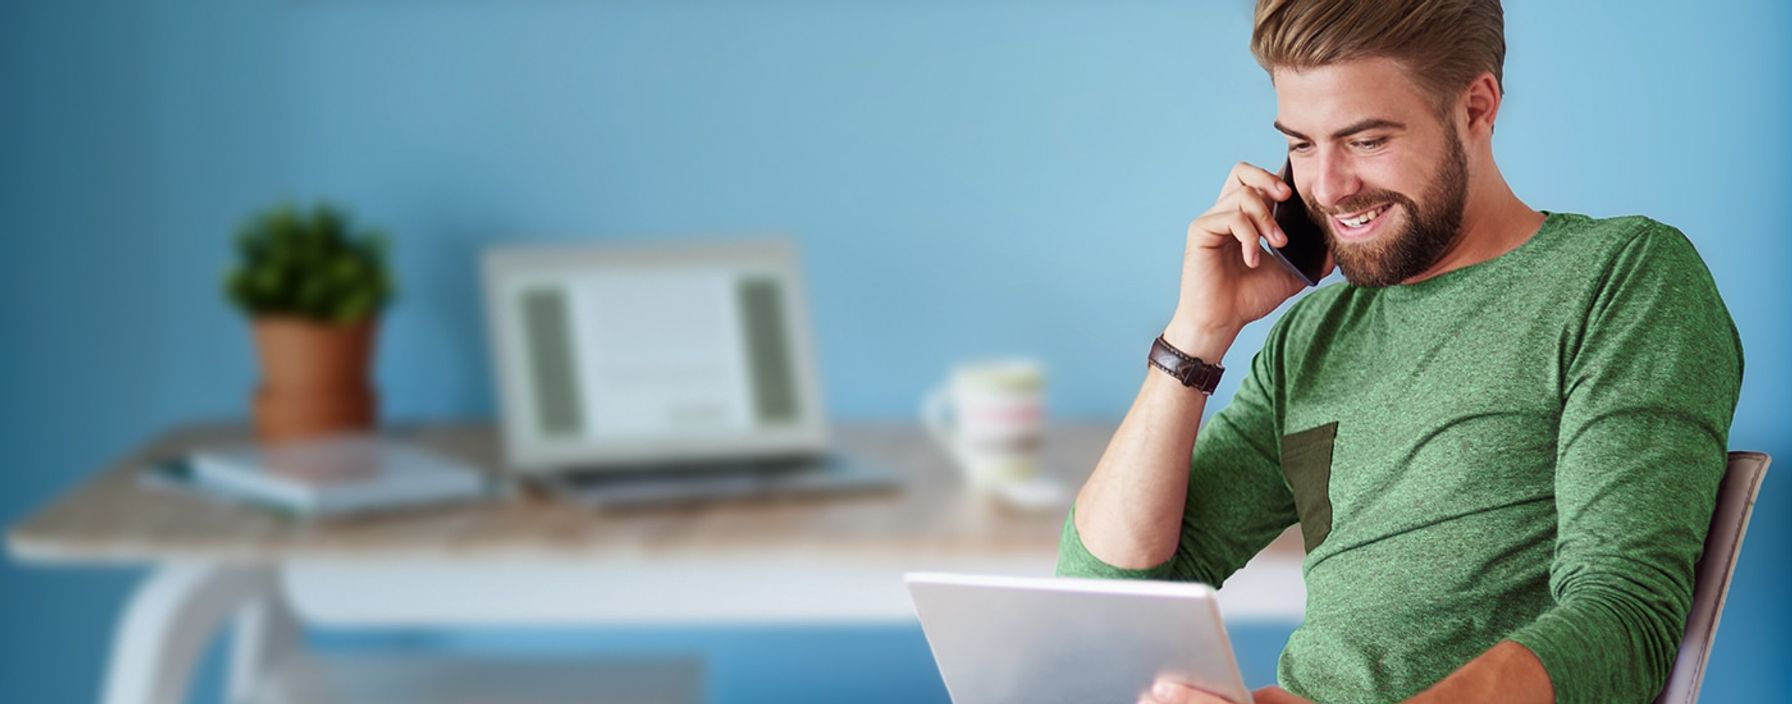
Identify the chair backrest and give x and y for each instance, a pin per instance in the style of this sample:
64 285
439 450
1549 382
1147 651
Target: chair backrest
1711 581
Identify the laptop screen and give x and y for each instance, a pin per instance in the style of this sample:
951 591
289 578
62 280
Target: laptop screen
641 355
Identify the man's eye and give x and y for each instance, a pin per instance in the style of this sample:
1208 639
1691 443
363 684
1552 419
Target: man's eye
1370 143
1300 148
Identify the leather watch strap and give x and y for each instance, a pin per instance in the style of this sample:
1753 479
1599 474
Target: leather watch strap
1188 369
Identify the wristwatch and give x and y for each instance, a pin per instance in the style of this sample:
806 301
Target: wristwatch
1188 369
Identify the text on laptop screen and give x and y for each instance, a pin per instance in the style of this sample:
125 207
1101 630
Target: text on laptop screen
630 354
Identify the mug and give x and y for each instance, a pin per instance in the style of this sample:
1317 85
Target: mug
990 419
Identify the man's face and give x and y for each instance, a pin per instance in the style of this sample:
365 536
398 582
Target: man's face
1365 143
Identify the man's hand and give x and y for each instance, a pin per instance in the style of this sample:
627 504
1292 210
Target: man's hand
1168 692
1224 283
1507 672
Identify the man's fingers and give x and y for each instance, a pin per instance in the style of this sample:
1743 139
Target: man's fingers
1171 692
1218 227
1260 215
1214 229
1246 233
1276 695
1247 175
1161 692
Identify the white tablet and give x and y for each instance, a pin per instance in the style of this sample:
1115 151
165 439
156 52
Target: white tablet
999 640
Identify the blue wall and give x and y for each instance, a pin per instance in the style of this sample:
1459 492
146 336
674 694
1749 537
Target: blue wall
966 178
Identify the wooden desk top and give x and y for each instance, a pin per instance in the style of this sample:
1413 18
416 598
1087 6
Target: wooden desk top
114 518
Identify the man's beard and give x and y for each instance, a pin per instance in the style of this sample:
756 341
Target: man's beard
1393 257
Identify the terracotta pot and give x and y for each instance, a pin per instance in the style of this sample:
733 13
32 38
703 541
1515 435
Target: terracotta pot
314 378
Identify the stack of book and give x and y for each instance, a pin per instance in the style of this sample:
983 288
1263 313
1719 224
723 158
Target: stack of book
345 474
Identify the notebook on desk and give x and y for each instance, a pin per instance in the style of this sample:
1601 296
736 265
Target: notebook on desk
658 373
329 476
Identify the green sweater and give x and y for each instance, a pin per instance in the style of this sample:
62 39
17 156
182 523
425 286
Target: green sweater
1524 449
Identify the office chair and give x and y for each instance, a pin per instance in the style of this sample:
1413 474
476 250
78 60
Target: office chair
1711 576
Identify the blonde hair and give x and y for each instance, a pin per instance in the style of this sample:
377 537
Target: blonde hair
1444 44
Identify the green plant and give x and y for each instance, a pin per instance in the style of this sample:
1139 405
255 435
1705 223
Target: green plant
308 264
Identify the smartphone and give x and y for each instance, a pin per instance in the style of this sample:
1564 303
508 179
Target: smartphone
1305 252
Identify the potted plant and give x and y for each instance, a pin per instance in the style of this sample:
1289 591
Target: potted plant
314 291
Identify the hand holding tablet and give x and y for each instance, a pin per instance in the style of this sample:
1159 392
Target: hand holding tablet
1172 692
998 640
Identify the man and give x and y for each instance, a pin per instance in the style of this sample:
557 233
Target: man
1501 438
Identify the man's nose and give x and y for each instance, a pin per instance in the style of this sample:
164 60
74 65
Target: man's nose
1333 181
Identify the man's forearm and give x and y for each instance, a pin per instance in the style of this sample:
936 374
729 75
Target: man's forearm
1129 513
1506 673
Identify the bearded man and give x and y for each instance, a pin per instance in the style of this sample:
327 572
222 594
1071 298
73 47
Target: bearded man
1501 436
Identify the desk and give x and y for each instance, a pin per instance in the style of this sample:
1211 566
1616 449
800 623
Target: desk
529 560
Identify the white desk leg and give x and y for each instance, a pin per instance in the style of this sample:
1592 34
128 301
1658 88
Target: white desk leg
266 633
173 615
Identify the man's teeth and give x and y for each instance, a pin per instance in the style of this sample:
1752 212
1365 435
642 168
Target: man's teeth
1358 222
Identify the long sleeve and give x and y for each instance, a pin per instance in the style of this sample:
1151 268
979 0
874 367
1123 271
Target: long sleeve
1238 500
1650 388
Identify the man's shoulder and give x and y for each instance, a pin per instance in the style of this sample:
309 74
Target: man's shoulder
1607 239
1632 251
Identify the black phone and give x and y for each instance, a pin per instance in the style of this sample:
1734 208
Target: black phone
1305 252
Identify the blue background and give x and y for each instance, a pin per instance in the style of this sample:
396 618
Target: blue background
966 179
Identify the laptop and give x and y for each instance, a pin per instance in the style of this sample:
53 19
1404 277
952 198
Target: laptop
655 373
1046 640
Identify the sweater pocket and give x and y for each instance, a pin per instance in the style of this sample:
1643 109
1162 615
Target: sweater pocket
1307 464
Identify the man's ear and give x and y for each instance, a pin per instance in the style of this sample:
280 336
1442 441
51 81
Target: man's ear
1482 100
